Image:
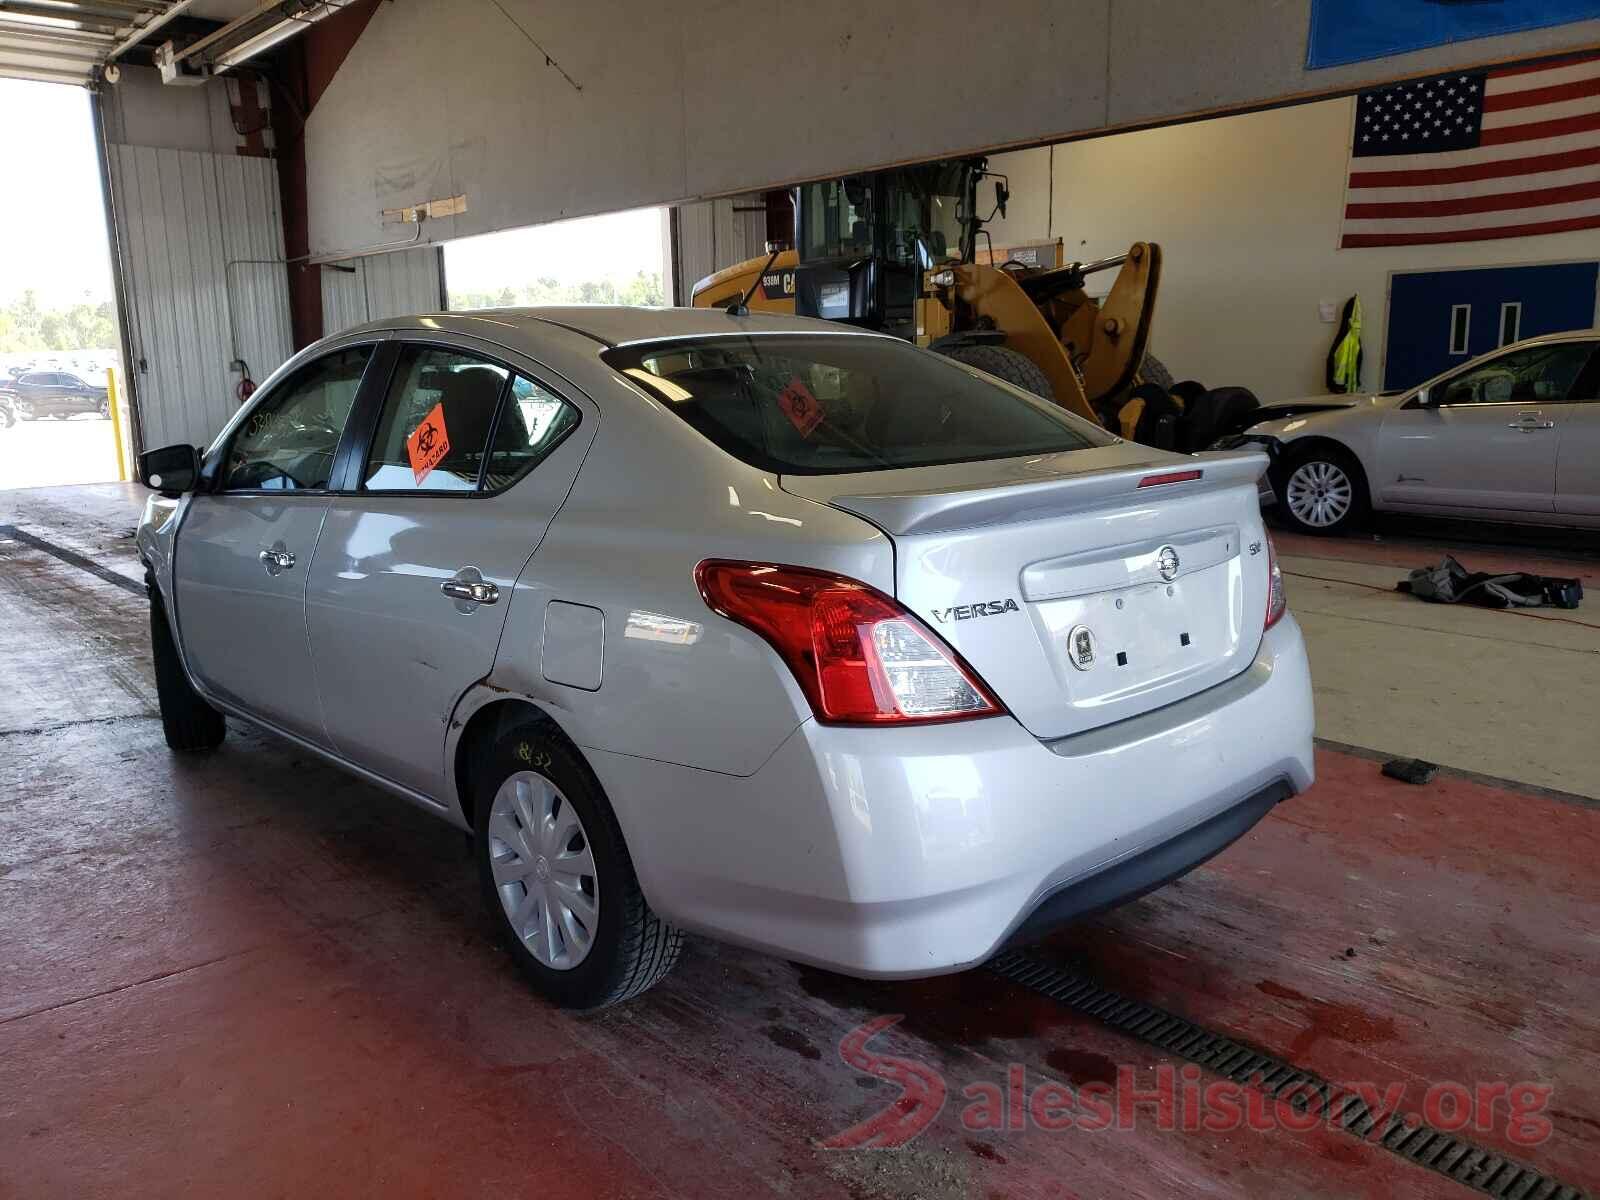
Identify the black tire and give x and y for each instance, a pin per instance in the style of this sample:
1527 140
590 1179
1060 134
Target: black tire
104 411
1158 420
1006 364
1215 414
1153 370
187 720
632 948
1309 459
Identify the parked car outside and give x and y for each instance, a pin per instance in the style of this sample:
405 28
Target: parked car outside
784 633
1511 436
59 394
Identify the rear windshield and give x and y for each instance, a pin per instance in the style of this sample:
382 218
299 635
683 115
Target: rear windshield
802 404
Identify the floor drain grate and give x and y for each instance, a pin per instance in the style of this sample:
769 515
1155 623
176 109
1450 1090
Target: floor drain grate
1404 1134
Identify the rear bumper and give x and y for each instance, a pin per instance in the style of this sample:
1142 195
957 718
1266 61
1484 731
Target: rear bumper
912 852
1144 872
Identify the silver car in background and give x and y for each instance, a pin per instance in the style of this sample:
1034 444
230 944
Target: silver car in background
1511 436
795 636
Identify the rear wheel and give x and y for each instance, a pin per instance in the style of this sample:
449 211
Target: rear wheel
1005 363
188 722
557 878
1321 490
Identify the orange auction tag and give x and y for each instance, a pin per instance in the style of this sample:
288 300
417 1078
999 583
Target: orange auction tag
801 407
428 443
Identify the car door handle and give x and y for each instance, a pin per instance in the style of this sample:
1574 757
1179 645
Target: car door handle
276 560
1529 421
472 591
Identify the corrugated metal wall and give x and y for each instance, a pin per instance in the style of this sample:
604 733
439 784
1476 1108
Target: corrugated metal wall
714 234
202 244
382 285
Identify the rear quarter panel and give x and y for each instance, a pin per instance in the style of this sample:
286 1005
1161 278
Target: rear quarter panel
679 683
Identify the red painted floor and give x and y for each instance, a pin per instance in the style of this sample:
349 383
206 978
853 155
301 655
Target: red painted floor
250 975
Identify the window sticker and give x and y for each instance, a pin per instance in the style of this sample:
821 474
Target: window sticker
428 444
801 407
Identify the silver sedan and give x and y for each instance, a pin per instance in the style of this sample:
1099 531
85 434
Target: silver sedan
1511 436
792 635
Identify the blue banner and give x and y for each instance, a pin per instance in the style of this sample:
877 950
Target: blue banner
1347 31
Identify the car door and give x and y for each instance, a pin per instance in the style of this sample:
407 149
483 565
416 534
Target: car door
39 389
1484 438
246 544
414 572
74 394
1578 452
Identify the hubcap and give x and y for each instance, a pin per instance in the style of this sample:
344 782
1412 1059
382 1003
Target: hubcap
1320 493
544 870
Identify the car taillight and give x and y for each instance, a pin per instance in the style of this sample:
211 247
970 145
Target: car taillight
1277 599
860 658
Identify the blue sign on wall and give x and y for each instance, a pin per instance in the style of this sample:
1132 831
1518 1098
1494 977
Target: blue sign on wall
1347 31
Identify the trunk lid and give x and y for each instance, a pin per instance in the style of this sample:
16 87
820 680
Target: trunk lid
1081 597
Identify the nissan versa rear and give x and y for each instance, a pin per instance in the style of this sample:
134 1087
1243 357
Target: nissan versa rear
790 635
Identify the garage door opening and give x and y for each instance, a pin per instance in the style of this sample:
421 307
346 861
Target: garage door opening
619 258
60 366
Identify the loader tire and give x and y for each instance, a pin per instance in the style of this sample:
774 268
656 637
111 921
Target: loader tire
1008 365
1153 370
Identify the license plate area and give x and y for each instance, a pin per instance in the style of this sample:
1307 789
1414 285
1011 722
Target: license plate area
1112 646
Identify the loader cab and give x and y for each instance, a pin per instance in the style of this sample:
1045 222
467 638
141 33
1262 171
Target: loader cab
864 242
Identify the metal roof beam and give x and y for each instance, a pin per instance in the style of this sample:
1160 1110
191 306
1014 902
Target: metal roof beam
144 31
10 30
58 17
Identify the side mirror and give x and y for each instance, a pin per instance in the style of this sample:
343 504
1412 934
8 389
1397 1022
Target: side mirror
171 470
1001 194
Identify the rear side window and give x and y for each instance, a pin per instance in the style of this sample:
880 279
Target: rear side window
532 423
455 423
436 422
815 405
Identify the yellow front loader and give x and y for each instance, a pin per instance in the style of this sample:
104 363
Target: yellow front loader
901 251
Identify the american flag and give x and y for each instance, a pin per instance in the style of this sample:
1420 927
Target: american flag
1476 155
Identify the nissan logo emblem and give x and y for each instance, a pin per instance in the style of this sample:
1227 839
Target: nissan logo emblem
1167 563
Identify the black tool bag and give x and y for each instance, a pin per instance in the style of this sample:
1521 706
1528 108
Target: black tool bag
1451 583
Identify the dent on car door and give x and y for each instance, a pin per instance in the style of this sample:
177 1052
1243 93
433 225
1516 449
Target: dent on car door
1488 440
414 574
1578 449
247 541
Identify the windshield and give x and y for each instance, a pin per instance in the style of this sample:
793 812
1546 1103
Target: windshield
823 404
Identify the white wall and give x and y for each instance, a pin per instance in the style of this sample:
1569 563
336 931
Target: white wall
1247 212
688 101
200 235
366 289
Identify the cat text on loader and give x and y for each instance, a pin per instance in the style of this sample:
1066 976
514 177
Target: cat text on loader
898 251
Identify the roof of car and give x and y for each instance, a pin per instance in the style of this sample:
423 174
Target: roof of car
614 324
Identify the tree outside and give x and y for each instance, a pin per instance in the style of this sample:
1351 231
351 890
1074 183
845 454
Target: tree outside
26 325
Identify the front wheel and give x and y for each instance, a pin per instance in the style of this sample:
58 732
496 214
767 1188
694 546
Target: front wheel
1322 490
557 877
188 722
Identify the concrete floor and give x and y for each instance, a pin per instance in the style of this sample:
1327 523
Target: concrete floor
248 974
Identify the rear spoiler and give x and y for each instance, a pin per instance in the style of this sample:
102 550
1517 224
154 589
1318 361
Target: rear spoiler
946 510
